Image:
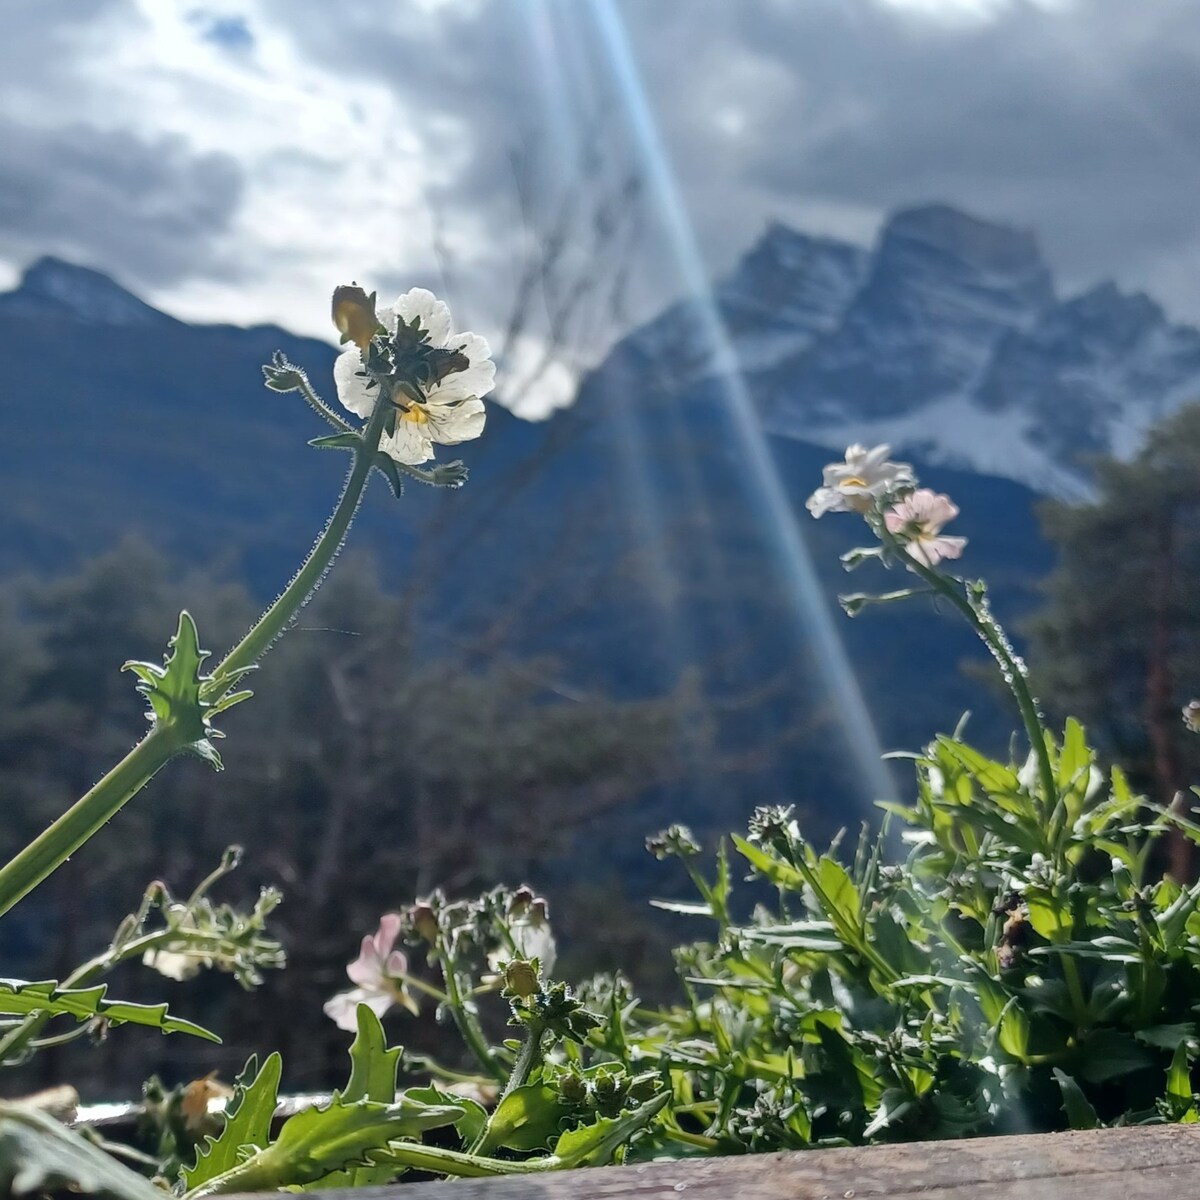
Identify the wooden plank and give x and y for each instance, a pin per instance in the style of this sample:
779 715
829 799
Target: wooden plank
1151 1163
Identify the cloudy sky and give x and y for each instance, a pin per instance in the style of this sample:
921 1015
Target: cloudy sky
235 160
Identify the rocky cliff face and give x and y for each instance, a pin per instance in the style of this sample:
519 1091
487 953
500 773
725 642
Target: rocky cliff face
946 339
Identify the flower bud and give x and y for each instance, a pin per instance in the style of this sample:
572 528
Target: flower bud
520 979
354 315
424 922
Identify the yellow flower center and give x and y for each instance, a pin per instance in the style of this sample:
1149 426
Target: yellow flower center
414 413
853 481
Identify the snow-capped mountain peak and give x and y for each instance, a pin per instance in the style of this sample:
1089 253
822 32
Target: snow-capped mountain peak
946 340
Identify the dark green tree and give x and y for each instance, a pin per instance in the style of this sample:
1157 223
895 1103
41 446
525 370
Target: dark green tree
1118 641
378 759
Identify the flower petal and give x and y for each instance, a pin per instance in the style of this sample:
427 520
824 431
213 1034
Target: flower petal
342 1009
367 969
351 383
450 424
411 443
477 379
433 313
388 931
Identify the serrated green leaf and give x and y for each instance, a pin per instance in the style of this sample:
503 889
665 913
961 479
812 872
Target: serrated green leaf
175 690
474 1117
373 1066
1080 1113
992 776
838 889
595 1144
19 998
247 1118
373 1070
39 1155
316 1142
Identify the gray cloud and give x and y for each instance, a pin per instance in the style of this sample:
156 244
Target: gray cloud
148 209
1079 121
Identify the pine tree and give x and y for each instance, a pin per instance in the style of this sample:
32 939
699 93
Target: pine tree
1118 643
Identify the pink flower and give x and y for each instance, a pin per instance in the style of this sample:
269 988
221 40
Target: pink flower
379 972
917 521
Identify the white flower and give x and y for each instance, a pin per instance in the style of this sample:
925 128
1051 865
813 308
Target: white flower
175 965
378 970
451 411
918 521
856 484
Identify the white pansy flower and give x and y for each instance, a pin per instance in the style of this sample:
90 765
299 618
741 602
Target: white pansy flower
856 484
379 972
451 410
918 521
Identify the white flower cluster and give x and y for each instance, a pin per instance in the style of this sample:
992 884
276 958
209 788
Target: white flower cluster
867 483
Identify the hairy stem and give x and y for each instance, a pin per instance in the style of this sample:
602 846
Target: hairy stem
275 620
88 815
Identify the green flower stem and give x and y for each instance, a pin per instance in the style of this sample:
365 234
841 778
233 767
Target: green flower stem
468 1027
528 1057
85 818
276 618
88 814
993 638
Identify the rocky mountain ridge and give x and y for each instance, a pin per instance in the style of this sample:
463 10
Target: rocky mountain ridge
946 339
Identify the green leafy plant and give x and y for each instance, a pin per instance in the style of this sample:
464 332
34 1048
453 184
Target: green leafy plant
1023 967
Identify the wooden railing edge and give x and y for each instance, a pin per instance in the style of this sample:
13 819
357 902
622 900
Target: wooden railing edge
1160 1162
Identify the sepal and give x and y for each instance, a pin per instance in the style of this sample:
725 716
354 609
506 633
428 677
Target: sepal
337 441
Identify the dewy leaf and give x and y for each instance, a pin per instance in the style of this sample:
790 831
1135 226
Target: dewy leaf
248 1118
173 691
18 998
38 1155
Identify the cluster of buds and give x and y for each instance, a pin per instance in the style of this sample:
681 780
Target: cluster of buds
774 824
607 1090
676 841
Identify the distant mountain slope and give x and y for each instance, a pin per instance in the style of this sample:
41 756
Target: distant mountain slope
947 340
623 544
